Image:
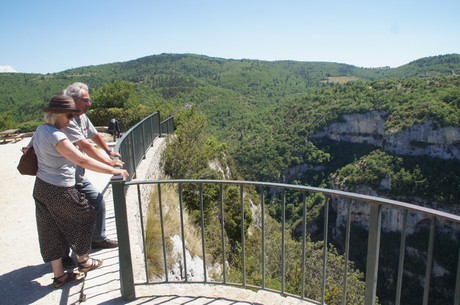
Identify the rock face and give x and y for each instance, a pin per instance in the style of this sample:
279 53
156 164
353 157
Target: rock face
194 264
392 219
427 139
357 128
222 168
296 171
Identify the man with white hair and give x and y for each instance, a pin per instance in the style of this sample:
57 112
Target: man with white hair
79 131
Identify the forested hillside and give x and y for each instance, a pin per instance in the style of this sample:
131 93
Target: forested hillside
265 111
238 88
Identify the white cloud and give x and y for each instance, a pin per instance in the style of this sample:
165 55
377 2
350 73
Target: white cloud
7 69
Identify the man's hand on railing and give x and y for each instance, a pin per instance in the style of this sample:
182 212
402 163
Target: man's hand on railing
117 163
121 172
113 154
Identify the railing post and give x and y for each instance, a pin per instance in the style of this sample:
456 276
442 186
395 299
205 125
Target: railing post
402 250
457 285
124 249
373 249
347 253
262 204
203 239
133 155
429 262
143 139
243 246
283 243
159 125
222 231
325 229
182 230
304 243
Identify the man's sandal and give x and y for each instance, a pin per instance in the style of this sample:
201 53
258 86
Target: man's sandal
58 282
95 263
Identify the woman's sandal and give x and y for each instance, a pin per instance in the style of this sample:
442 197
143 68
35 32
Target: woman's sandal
95 263
58 282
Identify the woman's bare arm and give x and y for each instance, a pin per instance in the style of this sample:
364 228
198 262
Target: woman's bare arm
71 153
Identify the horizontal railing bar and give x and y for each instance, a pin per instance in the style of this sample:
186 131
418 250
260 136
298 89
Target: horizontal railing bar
367 198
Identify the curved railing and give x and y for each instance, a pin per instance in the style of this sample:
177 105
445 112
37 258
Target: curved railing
136 141
352 208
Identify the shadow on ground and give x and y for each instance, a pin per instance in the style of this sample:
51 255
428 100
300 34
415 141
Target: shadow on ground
21 286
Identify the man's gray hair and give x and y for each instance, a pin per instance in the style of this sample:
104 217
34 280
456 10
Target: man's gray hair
75 90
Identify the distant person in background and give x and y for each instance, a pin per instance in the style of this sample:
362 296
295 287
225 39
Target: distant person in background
114 128
64 216
79 130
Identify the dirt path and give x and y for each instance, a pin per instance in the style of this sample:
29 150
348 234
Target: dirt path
17 216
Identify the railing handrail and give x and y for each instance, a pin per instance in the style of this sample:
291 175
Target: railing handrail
126 134
374 222
361 197
134 144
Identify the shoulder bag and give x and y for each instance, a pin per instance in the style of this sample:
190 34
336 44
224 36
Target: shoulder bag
28 164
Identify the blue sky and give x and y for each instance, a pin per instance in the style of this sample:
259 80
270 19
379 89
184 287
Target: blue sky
51 36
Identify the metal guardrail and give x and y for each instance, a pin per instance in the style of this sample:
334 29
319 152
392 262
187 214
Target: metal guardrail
167 126
135 142
373 250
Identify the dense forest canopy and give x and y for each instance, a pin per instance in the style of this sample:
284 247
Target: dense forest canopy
245 86
265 111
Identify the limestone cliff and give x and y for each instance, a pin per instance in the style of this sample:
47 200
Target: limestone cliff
391 218
427 139
357 128
221 167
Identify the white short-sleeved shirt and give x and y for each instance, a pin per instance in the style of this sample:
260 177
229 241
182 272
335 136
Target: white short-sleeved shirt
79 128
52 166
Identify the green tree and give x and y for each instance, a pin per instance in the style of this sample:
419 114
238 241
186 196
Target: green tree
118 94
185 154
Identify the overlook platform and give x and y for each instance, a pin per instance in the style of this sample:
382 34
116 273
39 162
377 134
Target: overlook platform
25 279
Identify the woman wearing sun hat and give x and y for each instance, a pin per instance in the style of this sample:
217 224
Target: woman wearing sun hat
63 215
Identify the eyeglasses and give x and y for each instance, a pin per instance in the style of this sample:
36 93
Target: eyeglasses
70 116
86 100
